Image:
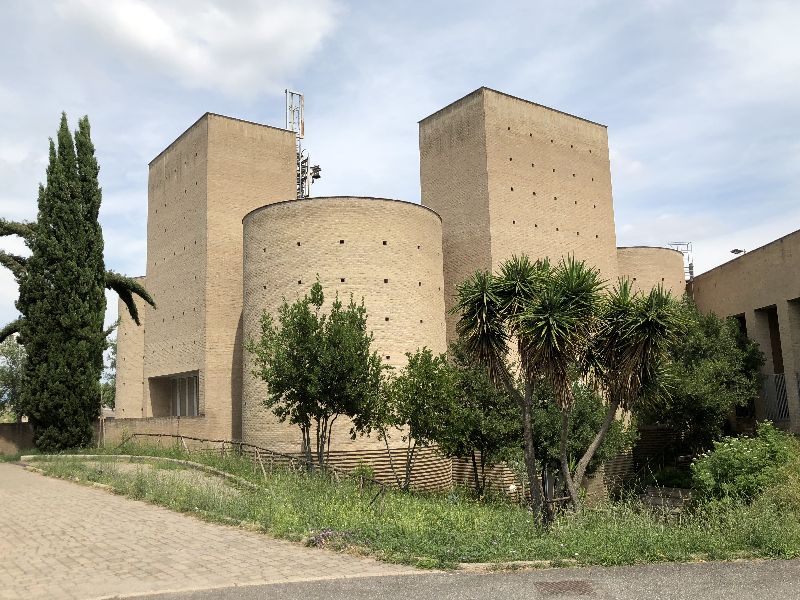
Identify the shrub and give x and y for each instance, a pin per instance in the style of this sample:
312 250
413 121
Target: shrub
744 467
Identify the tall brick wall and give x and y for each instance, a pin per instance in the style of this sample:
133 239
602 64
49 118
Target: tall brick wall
200 188
176 264
510 177
129 399
648 268
249 165
386 252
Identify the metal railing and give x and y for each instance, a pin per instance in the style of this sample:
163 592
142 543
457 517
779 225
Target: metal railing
776 403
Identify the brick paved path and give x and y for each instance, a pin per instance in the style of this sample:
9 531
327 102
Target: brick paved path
63 540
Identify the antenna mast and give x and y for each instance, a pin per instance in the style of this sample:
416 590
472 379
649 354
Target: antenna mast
295 122
685 248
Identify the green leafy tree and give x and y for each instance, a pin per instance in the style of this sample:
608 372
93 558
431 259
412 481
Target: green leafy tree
12 366
587 414
482 423
416 401
61 297
318 367
713 370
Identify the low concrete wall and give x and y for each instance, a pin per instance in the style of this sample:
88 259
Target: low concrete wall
15 437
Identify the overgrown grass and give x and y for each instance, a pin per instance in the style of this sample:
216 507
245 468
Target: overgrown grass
441 530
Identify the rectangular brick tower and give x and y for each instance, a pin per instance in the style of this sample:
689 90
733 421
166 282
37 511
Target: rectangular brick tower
200 187
509 177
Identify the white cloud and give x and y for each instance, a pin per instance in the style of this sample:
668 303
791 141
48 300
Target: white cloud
238 48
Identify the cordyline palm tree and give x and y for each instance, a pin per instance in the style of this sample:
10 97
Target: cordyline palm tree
125 287
491 309
555 332
563 328
628 352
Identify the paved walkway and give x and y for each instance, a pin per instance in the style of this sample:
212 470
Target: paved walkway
63 540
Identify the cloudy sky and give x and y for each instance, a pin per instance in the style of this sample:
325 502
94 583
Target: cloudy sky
702 99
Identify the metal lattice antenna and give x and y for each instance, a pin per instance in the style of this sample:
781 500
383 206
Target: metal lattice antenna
295 122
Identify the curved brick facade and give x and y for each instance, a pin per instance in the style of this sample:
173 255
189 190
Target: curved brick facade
647 267
388 252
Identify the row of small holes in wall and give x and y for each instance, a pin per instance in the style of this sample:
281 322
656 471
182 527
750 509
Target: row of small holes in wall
553 141
536 226
343 280
533 166
174 253
556 198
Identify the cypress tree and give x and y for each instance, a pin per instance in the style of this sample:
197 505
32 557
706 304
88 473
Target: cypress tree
62 298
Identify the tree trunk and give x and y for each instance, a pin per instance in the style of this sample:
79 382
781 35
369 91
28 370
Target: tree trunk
409 464
475 475
583 464
391 462
530 452
562 446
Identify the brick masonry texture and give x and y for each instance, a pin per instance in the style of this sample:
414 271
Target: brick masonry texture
505 175
386 252
510 177
751 286
648 268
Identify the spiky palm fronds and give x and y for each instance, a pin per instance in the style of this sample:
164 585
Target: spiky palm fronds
126 288
555 330
482 323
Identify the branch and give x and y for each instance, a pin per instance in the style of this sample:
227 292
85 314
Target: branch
15 264
21 228
126 287
10 329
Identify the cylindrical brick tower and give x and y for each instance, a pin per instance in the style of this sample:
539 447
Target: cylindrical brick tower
649 266
387 252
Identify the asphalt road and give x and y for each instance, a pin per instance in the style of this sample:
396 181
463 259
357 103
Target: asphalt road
748 580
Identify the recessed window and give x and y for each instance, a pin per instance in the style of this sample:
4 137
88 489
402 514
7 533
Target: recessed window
298 243
555 197
554 170
265 287
576 201
634 278
299 281
592 178
265 249
594 205
577 233
551 141
418 247
385 281
590 151
512 188
513 222
535 225
341 241
509 128
596 236
385 318
534 193
570 145
388 357
556 228
533 164
421 319
419 284
510 159
573 174
384 242
342 280
185 396
530 135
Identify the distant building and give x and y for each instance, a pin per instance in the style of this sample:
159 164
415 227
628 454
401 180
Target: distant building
226 240
761 289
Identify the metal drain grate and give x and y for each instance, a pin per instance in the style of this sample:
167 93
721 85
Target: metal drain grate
571 587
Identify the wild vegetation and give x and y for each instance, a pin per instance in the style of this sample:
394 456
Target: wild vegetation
443 529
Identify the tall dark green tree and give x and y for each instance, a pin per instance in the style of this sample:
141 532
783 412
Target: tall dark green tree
61 295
